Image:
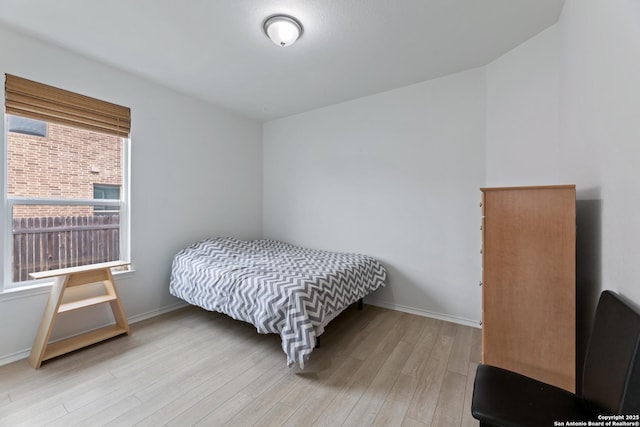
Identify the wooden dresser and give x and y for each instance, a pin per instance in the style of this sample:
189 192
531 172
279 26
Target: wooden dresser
528 281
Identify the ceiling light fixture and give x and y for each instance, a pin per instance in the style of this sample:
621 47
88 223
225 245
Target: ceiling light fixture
283 30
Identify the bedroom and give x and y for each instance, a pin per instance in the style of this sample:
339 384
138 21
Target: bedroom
559 108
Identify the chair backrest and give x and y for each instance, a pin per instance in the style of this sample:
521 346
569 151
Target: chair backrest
611 376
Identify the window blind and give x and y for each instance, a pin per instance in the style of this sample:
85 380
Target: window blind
35 100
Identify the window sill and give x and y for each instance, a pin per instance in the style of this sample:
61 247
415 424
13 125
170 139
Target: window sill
44 287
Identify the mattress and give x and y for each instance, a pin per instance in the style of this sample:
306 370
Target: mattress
277 287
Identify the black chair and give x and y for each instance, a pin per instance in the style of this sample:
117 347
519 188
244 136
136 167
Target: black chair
610 383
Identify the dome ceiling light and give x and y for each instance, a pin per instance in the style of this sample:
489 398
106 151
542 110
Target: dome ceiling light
283 30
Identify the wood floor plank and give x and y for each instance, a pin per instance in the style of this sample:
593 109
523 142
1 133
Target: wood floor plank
51 397
467 419
263 398
414 327
110 412
34 417
431 375
4 400
345 400
311 407
47 380
387 343
203 398
226 412
164 391
376 338
145 384
475 355
448 413
366 410
448 329
459 358
192 367
236 378
422 347
305 386
396 404
410 422
275 417
108 390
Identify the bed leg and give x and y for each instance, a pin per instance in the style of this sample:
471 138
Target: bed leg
360 304
317 342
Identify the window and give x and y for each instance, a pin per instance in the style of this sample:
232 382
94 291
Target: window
66 174
106 191
26 126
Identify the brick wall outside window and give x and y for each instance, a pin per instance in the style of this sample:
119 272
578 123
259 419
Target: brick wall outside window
64 164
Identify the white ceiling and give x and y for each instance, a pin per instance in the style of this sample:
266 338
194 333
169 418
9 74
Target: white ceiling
215 50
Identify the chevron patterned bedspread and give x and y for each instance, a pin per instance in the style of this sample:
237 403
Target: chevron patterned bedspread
277 287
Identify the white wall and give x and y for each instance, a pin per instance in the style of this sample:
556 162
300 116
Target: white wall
393 175
600 119
586 100
196 172
523 129
564 107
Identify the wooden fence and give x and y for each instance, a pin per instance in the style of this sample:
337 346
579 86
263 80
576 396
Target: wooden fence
66 241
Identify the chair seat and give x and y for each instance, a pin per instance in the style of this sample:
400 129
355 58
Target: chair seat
503 398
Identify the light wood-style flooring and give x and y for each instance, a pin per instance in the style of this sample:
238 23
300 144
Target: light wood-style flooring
375 367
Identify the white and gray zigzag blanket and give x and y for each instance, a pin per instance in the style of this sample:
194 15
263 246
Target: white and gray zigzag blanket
277 287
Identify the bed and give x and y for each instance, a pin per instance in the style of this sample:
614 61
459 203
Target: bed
277 287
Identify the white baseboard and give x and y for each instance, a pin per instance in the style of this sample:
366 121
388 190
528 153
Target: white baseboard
156 312
10 358
427 313
23 354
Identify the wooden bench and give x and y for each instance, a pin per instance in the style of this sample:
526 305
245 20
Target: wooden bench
66 278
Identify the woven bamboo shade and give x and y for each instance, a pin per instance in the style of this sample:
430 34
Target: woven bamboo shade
35 100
